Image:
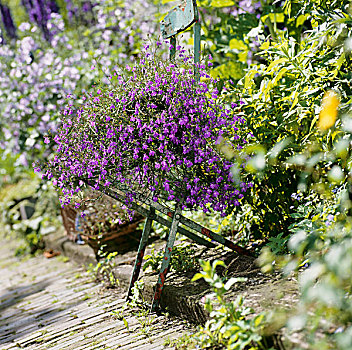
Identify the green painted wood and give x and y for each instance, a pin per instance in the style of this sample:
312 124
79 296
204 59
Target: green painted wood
179 18
166 259
176 21
196 31
141 249
173 47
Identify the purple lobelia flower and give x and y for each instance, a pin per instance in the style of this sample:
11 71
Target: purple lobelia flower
160 138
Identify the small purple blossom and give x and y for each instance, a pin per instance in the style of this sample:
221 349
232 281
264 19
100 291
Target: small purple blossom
297 196
162 140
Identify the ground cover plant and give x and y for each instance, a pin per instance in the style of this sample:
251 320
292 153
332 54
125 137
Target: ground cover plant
229 325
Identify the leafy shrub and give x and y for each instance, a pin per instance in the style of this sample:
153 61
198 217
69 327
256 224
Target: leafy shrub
225 25
282 98
320 244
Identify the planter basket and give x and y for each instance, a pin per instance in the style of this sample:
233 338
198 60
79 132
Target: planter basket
99 229
121 238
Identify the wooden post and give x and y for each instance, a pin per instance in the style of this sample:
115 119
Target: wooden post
141 249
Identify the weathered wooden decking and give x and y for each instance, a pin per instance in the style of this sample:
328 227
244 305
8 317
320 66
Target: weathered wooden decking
50 304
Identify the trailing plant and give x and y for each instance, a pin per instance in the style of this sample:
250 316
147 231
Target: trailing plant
153 129
229 325
182 259
104 269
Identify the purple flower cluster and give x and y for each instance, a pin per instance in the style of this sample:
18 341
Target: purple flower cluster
152 129
246 6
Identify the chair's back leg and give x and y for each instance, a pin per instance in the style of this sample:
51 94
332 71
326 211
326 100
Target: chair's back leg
141 249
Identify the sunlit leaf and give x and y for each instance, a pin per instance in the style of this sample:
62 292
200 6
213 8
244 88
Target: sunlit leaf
236 44
222 3
336 174
328 114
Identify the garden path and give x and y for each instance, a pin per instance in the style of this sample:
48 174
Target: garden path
53 304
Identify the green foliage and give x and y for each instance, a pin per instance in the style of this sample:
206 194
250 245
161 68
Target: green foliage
224 37
104 269
229 325
278 244
281 103
320 242
11 169
29 211
182 259
234 225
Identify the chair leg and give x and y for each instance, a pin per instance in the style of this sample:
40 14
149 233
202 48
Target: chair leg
166 260
141 249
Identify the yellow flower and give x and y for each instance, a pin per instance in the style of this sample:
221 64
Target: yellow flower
328 114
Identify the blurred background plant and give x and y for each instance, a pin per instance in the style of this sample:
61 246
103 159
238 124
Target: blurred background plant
55 56
48 50
30 210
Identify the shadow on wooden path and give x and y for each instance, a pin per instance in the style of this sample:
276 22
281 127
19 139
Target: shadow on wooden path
50 304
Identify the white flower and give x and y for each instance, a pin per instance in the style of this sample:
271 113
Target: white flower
24 26
27 44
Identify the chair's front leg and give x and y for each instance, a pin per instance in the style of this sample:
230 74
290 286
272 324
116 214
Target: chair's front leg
141 249
166 260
